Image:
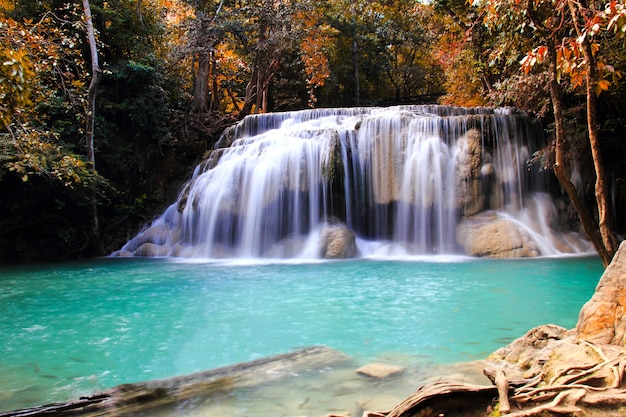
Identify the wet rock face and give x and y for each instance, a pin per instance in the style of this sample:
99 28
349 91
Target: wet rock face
602 319
338 242
154 241
152 250
468 170
487 235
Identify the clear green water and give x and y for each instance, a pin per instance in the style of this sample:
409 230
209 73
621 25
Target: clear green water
74 328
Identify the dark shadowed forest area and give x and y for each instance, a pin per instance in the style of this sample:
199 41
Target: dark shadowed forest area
107 105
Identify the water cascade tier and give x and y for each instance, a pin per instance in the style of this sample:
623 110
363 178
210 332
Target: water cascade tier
338 183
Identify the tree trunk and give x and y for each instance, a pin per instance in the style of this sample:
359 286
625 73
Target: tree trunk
215 94
90 122
258 104
140 14
233 99
601 189
560 168
251 93
203 72
268 75
200 93
355 66
262 74
264 108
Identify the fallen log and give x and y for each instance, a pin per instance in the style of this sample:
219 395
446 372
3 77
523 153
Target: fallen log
70 408
142 396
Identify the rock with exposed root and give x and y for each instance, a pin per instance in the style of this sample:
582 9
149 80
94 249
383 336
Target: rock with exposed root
603 318
556 375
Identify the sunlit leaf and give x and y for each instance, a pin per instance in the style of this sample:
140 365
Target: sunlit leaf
604 84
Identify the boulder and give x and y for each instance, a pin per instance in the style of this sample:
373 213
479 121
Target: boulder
525 357
489 235
337 242
602 319
380 370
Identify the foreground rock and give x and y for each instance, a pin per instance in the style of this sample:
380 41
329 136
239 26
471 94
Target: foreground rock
525 357
602 319
550 371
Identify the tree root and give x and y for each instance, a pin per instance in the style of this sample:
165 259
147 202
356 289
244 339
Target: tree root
503 391
571 391
429 399
574 386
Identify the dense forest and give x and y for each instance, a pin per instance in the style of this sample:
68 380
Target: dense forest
106 105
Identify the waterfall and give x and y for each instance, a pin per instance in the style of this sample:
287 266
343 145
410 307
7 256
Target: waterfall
411 178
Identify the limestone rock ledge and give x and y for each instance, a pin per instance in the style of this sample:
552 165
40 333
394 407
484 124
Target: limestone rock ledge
527 356
602 319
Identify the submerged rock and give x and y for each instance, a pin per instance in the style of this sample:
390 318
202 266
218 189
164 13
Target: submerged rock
602 319
380 370
488 235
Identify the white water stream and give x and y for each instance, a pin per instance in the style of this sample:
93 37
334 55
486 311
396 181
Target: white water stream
400 178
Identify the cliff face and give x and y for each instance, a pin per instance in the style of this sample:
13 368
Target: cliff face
602 319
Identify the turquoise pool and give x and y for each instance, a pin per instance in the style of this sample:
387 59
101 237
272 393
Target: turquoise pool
71 329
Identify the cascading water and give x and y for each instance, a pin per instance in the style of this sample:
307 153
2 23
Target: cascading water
400 180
